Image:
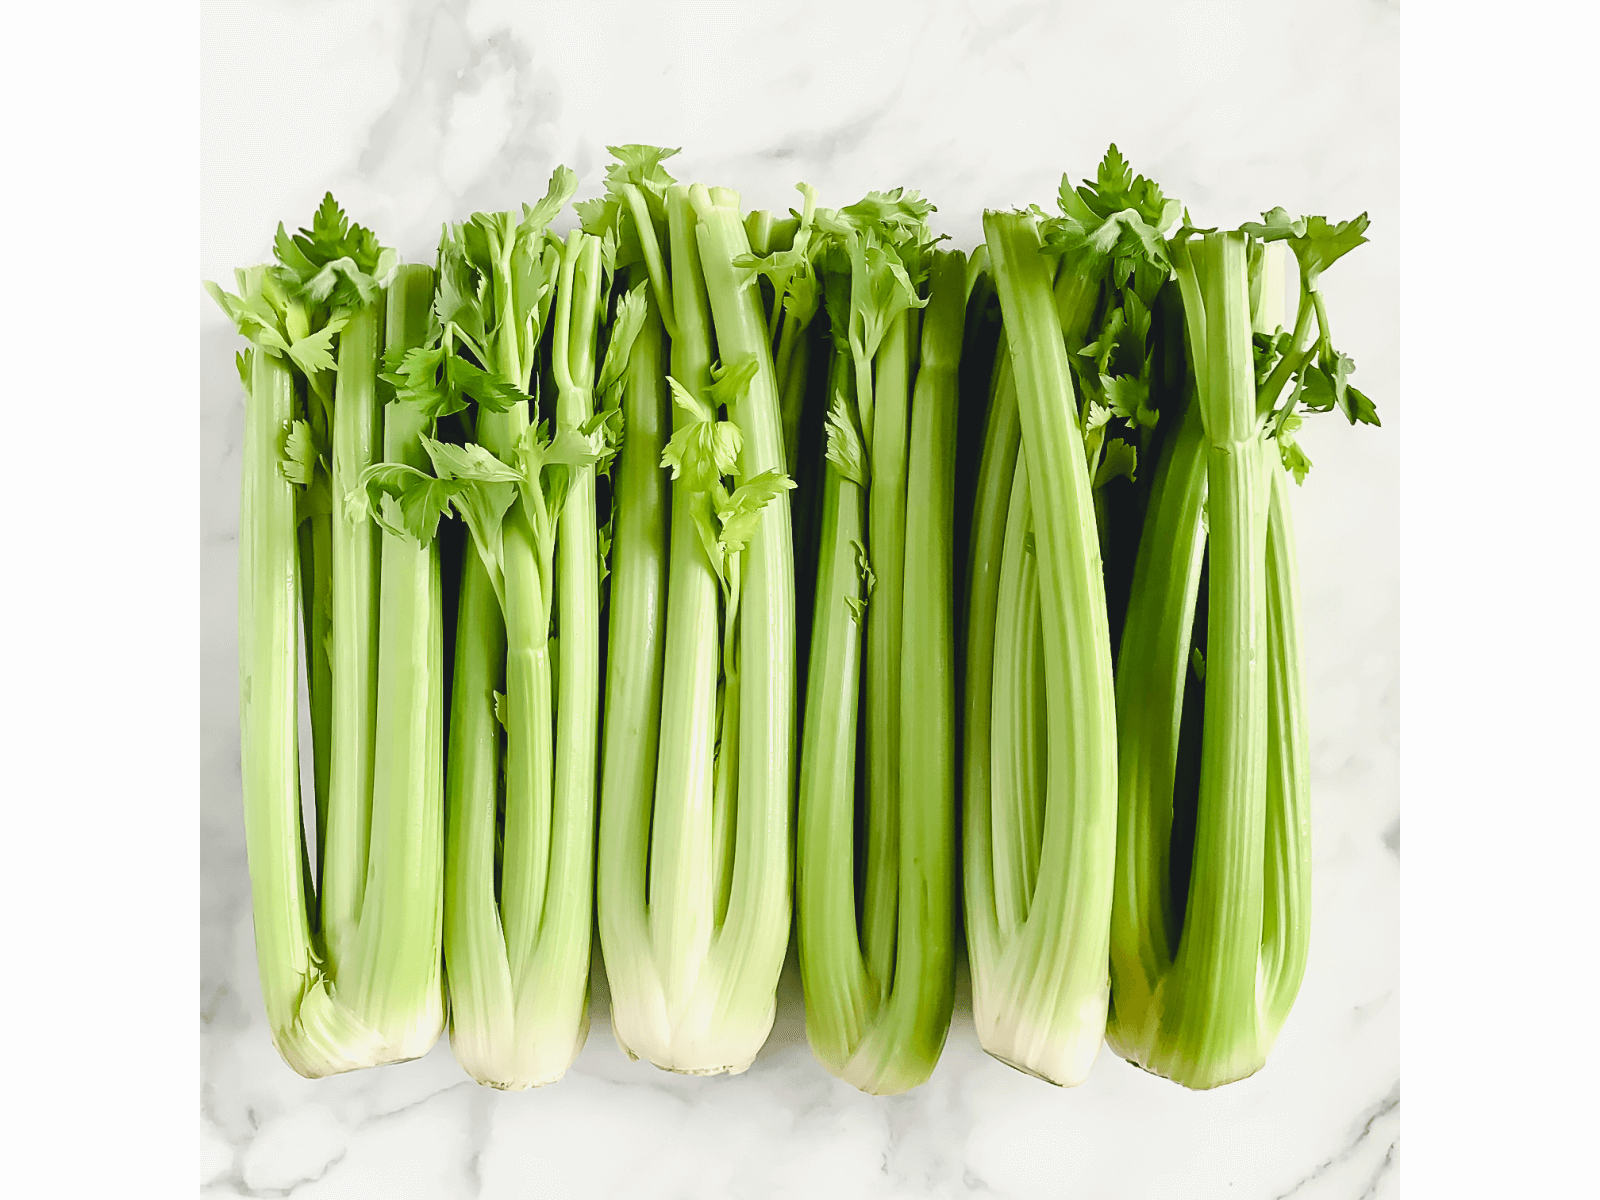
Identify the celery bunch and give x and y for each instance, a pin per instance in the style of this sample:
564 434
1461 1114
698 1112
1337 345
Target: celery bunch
1211 919
1040 822
673 484
879 971
349 961
694 860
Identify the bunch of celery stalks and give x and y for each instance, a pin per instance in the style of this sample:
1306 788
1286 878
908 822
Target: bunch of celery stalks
769 538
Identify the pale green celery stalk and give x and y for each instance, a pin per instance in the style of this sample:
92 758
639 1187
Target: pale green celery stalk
751 941
391 974
665 894
997 471
316 579
357 444
474 942
1211 1030
316 1033
479 915
634 667
886 547
1039 999
560 983
1152 666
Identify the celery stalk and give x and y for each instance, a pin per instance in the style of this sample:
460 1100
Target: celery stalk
357 444
1203 979
693 862
878 997
381 1000
996 472
315 1033
1039 997
751 941
635 662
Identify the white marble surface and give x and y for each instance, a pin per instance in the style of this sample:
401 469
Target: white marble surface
413 111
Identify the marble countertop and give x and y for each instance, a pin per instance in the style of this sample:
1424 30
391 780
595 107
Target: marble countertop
414 111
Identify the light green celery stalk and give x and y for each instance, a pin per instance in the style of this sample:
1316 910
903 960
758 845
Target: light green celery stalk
656 749
878 997
331 273
651 747
664 1021
357 443
1039 994
316 1034
325 1016
1203 982
637 605
758 641
391 969
694 920
654 933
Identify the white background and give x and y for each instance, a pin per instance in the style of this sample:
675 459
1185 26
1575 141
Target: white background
1234 109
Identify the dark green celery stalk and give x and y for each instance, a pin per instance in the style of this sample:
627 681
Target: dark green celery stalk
1211 1032
751 941
1206 1011
841 999
357 444
1043 1001
392 974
